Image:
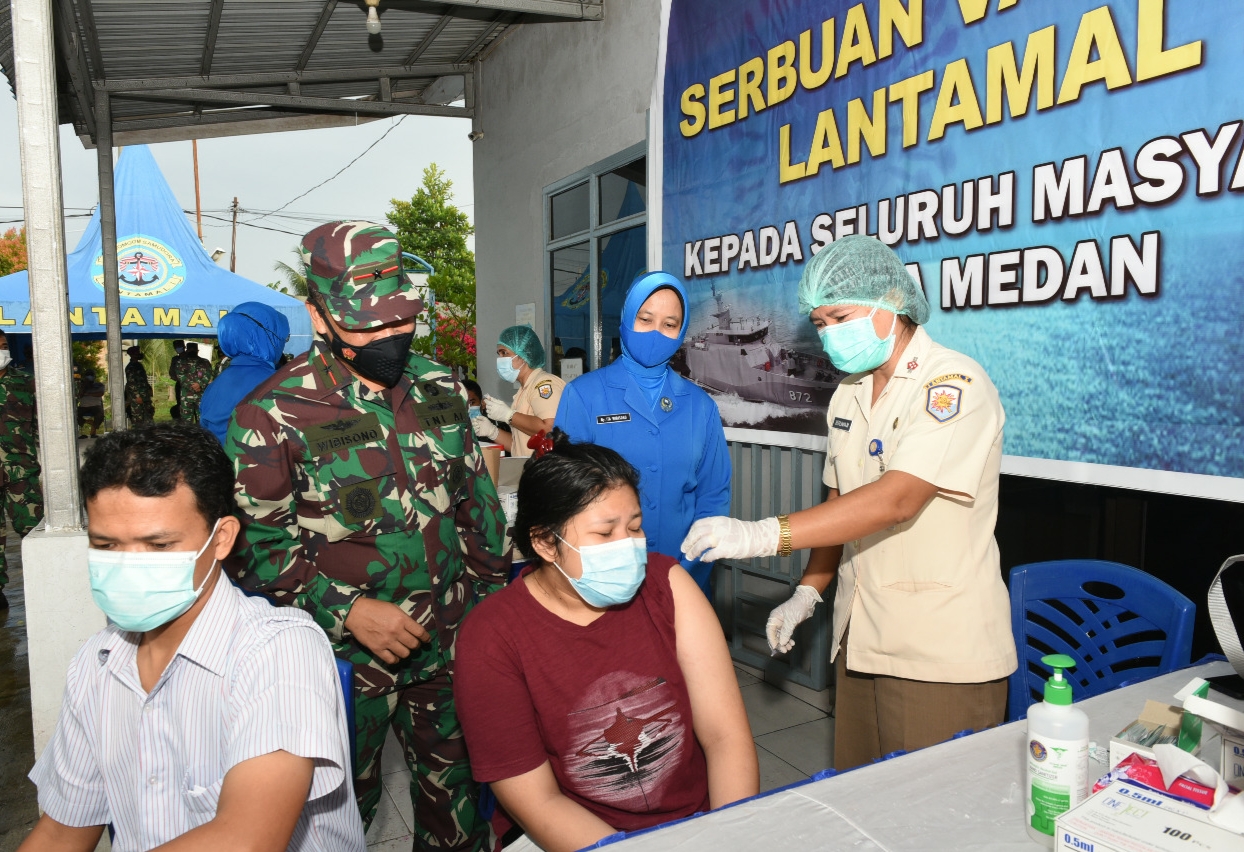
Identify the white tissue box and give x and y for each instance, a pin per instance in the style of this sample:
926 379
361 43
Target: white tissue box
1230 724
1125 817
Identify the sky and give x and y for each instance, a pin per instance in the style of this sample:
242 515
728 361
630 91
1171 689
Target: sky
265 172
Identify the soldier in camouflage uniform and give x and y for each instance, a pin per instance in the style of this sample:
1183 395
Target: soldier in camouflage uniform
174 372
366 502
139 405
19 454
194 375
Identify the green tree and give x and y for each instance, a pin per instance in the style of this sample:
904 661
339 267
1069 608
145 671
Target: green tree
12 251
431 226
294 275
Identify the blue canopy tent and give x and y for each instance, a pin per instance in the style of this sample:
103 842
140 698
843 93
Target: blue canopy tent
170 287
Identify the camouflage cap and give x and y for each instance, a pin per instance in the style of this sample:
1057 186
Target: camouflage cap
356 268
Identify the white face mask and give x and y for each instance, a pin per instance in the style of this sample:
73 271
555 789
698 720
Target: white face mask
6 358
506 368
612 572
143 590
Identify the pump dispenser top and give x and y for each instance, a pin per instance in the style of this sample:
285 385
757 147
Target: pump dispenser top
1058 688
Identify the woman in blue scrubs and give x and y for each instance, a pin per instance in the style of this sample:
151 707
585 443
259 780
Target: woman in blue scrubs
663 424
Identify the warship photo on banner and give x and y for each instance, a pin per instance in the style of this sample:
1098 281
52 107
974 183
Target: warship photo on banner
758 379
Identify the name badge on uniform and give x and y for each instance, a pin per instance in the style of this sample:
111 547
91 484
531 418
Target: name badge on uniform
442 412
602 419
343 434
842 423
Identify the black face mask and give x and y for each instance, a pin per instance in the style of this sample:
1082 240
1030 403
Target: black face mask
381 361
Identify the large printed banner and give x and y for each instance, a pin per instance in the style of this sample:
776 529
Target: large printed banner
1064 177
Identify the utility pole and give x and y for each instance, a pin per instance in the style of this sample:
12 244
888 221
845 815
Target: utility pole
233 252
198 208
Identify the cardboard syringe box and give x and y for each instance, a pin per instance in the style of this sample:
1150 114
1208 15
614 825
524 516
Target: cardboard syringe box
1154 714
509 471
1126 817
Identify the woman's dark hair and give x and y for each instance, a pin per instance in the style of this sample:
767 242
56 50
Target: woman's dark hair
152 461
562 483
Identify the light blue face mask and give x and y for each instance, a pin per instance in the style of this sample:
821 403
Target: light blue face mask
473 412
612 572
139 591
506 368
854 346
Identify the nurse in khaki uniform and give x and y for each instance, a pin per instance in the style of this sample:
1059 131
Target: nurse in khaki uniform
520 357
922 635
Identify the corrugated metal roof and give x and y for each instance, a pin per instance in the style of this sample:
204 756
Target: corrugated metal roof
180 69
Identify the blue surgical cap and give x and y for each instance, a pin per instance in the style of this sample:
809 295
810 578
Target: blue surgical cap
523 342
861 270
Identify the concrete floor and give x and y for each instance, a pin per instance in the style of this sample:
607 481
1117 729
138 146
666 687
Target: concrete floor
791 726
18 807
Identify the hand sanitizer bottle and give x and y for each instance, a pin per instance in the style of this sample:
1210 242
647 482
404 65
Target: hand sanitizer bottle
1058 740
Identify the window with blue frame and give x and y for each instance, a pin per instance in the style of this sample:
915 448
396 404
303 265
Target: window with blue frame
595 246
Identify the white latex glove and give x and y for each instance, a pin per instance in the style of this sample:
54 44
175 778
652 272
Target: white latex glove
710 539
498 410
484 428
786 617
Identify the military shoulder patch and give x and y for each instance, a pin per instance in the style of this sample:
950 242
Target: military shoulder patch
944 402
545 389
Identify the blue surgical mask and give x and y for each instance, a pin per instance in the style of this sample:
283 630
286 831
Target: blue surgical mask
612 572
473 411
139 591
649 348
506 368
854 346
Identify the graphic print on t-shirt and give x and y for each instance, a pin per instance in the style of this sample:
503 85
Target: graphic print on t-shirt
625 741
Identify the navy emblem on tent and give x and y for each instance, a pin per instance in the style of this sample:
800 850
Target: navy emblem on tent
146 268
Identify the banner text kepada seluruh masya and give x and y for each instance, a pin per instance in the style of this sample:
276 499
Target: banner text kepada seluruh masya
872 32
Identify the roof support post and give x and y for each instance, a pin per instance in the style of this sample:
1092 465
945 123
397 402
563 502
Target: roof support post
472 91
108 234
43 197
59 612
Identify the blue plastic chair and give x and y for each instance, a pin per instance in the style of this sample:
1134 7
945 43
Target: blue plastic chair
345 673
1119 624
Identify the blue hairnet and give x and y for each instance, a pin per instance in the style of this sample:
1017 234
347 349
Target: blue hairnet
523 342
253 328
860 270
643 287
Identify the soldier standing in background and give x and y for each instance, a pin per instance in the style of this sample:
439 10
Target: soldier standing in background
366 502
139 405
175 365
19 455
196 375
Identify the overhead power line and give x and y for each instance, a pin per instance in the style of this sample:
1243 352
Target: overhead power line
338 174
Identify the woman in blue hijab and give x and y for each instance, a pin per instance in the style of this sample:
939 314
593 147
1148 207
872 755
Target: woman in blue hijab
252 335
661 423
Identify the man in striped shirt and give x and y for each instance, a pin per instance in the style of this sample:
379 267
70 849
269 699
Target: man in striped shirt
200 718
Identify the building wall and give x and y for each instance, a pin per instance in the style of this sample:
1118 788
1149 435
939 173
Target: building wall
555 99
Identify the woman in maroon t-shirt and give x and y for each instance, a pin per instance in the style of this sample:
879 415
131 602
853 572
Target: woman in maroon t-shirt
596 693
